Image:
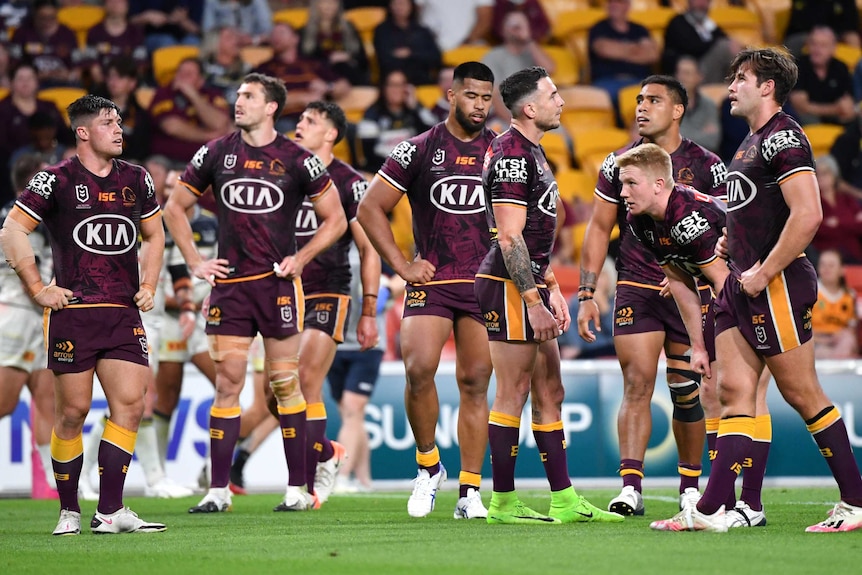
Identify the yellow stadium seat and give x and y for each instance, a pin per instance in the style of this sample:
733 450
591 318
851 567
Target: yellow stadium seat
365 19
3 92
715 92
465 53
566 66
627 98
586 108
80 19
571 29
62 97
655 20
557 150
359 99
167 60
255 55
553 8
850 55
295 17
145 95
576 185
428 94
822 136
591 146
741 24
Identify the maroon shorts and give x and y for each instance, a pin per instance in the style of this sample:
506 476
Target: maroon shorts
448 300
642 310
328 313
78 337
504 311
271 306
777 320
708 317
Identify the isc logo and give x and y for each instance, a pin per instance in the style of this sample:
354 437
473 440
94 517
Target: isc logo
106 234
459 195
251 196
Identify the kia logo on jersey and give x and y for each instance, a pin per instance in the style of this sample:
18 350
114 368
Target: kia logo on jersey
106 234
251 196
459 195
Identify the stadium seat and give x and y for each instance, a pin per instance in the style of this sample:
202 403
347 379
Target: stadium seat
576 185
166 60
566 66
464 53
850 55
359 99
428 94
571 29
655 20
557 150
627 98
80 19
592 146
586 108
296 17
553 8
365 19
715 92
145 95
255 55
3 92
741 24
62 97
822 136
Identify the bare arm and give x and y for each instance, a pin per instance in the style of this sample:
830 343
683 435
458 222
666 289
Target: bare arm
369 272
214 118
187 131
593 253
842 108
333 224
181 231
150 257
644 51
482 28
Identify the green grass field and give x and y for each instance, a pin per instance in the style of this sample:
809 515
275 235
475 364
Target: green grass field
372 534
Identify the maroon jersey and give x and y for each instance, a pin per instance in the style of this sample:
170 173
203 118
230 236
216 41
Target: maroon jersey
516 173
694 166
168 102
442 177
756 210
330 271
56 52
258 192
13 121
102 47
687 235
93 223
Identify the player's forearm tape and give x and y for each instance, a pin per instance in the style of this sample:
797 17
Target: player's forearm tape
369 305
531 298
551 280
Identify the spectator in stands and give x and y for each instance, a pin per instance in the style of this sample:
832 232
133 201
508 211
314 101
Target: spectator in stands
540 26
306 79
395 117
49 45
834 320
841 228
15 109
694 33
168 22
331 38
823 92
402 43
224 67
5 67
701 120
440 110
518 51
252 20
842 16
42 129
12 15
457 22
112 37
121 81
571 345
186 114
847 151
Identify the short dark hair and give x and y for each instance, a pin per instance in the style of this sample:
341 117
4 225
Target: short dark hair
332 112
474 71
768 64
88 107
677 91
273 90
41 120
520 85
125 66
23 169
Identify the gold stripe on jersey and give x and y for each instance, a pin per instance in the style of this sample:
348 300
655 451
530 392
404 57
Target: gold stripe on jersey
386 179
743 425
778 297
154 213
120 437
504 419
65 450
243 279
516 320
546 427
26 212
316 197
509 203
605 198
793 173
763 428
825 421
190 188
225 412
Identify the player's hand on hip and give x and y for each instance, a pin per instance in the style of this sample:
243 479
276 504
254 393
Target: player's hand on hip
209 270
560 309
721 245
419 271
544 324
289 268
753 280
665 288
588 312
53 296
144 299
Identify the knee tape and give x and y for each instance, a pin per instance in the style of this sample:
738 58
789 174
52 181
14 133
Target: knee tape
223 347
686 401
284 378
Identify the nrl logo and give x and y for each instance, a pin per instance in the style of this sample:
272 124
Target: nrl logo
439 157
82 193
230 161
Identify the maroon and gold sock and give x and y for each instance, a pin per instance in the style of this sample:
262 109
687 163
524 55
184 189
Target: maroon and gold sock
830 433
732 445
468 480
67 460
115 455
689 475
503 433
632 472
429 461
754 466
551 443
315 429
224 433
293 434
